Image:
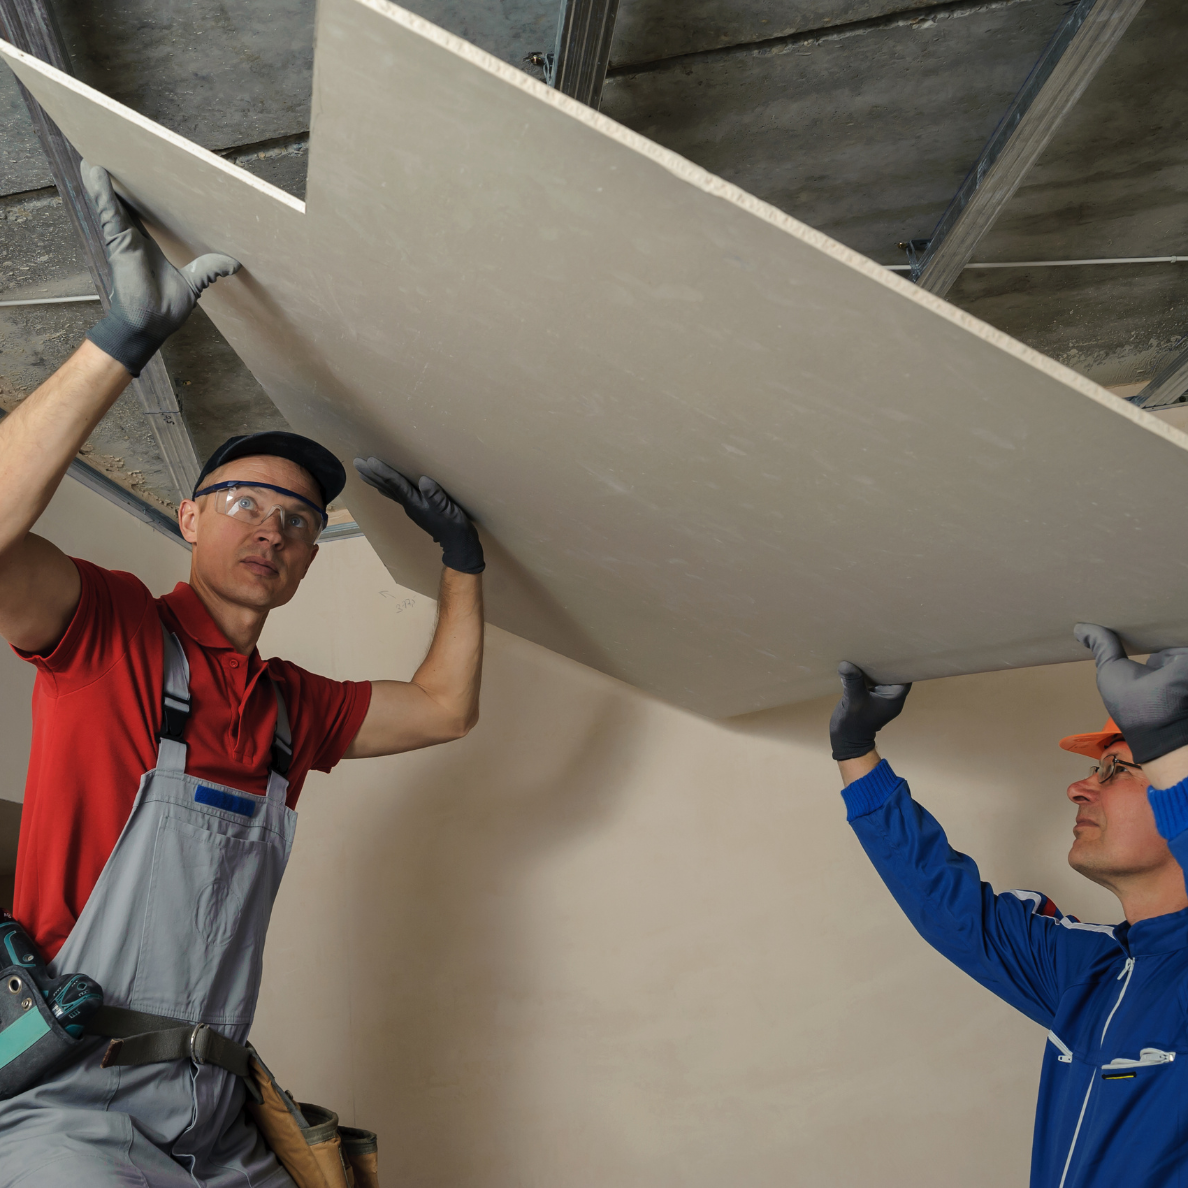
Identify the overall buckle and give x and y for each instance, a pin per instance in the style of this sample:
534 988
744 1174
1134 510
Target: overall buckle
197 1044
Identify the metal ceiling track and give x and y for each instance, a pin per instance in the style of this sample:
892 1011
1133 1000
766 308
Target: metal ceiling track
1085 39
577 65
30 26
1167 385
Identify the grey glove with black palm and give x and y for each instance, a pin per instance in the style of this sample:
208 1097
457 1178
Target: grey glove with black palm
864 709
432 510
150 299
1148 702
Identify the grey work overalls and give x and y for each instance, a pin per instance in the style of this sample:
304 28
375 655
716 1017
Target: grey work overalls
175 926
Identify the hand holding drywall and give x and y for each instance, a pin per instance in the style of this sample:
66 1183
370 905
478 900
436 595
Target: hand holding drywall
864 709
150 299
1148 702
432 510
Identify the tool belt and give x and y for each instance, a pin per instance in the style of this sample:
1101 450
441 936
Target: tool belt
307 1139
137 1038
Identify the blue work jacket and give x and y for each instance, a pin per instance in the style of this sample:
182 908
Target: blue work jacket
1113 1096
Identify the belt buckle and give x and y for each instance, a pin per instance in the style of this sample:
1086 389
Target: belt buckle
198 1028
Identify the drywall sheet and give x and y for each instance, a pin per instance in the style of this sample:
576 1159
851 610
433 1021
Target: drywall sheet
712 451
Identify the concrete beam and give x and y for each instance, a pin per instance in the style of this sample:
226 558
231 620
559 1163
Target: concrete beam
577 66
30 25
1084 40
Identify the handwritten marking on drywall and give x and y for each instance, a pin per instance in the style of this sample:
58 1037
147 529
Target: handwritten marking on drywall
404 603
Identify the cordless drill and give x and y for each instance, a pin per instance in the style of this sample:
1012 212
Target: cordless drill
73 998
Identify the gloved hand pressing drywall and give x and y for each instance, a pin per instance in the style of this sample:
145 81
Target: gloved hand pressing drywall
1148 702
432 510
865 708
150 299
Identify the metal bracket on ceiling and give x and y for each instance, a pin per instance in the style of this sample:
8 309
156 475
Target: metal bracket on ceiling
915 250
1086 37
1167 386
578 62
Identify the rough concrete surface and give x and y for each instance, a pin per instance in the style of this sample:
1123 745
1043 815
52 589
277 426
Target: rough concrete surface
1116 328
281 162
509 29
219 72
22 164
650 30
865 136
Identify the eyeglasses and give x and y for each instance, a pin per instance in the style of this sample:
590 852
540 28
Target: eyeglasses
1108 768
254 503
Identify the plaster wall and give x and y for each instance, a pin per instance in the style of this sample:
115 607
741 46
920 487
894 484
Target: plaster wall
603 941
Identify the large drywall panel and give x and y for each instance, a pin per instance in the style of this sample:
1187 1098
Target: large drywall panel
713 451
603 942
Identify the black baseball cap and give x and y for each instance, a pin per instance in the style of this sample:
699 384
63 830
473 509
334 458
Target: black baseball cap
327 470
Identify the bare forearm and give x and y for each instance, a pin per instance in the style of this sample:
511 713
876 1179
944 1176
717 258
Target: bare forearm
855 769
451 672
40 438
441 702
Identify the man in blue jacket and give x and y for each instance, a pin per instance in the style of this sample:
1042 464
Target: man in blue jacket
1113 1098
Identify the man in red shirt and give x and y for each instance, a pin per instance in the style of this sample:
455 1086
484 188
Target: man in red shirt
167 757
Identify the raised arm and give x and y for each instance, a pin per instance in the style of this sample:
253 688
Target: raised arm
39 585
1010 943
441 702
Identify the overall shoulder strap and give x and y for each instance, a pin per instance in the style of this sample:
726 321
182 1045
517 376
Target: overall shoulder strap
282 738
282 748
175 705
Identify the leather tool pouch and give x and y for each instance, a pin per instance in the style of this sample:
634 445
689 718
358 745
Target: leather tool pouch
32 1042
308 1141
360 1149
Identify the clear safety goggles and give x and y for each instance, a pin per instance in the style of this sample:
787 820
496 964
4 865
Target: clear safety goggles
253 503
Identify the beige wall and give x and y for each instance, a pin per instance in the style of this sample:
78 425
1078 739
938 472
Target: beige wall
601 942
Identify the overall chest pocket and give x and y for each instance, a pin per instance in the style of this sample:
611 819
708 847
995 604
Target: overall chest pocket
209 901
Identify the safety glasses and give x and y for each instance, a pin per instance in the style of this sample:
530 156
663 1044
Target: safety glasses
1110 766
253 503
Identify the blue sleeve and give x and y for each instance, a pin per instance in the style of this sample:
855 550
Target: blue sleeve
1009 943
1171 819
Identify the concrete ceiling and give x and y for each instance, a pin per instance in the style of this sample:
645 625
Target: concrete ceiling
859 117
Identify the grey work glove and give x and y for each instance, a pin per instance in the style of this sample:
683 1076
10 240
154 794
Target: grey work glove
1148 702
864 709
150 299
432 510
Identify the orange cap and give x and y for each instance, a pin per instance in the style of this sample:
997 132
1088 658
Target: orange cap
1093 745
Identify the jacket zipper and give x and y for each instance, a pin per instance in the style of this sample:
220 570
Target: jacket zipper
1065 1056
1127 971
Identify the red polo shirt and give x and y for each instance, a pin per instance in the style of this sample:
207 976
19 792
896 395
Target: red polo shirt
96 713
